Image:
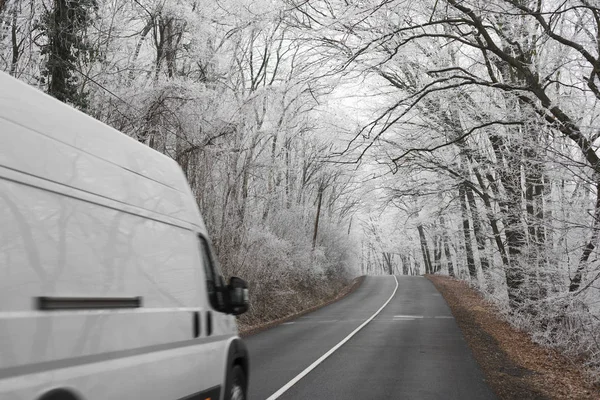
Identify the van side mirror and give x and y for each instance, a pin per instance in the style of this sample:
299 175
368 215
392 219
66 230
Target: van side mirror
238 296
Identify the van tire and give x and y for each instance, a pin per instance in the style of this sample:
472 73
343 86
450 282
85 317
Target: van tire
239 386
58 394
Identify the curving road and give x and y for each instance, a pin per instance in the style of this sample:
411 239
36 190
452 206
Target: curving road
411 349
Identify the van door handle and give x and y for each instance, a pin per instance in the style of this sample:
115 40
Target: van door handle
208 323
196 323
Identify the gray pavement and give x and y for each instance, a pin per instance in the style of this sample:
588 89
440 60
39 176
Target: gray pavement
412 350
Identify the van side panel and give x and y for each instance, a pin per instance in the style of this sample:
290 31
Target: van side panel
64 164
30 108
54 245
88 213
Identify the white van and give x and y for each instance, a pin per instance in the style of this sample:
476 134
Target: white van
109 288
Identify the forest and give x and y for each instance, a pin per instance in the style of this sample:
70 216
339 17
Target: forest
331 138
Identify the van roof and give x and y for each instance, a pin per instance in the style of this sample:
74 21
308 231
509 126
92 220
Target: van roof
50 125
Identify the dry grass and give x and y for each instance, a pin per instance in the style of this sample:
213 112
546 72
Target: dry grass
515 366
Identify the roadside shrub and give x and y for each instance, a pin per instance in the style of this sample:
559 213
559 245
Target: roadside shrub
566 323
284 273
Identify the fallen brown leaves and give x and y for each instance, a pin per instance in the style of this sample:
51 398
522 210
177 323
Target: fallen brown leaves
514 366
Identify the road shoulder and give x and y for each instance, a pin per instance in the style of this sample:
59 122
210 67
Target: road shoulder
514 366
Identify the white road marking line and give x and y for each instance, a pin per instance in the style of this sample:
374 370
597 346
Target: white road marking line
314 365
414 317
288 323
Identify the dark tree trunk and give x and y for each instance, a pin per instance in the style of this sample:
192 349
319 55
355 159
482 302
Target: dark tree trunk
477 230
387 259
424 249
59 53
467 231
437 254
316 230
534 201
16 46
510 177
405 264
492 219
64 26
417 267
589 247
445 239
136 52
288 173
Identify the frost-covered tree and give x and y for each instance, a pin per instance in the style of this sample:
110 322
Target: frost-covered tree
492 106
63 29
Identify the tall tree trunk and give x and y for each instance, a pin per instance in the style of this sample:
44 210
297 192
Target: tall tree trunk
477 230
387 259
445 239
159 42
362 258
405 264
467 231
437 254
174 33
589 247
490 214
247 168
417 266
136 52
316 230
271 183
16 46
534 206
288 173
424 249
510 177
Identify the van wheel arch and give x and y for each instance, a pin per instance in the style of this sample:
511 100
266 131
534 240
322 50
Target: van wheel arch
59 394
237 356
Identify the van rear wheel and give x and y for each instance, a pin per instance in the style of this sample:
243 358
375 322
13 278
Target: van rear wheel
238 384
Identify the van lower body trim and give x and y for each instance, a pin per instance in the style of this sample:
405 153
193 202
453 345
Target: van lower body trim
213 393
95 358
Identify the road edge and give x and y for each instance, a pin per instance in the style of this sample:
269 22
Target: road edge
513 365
253 330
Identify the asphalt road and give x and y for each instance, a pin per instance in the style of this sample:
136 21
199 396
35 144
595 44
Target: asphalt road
412 349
